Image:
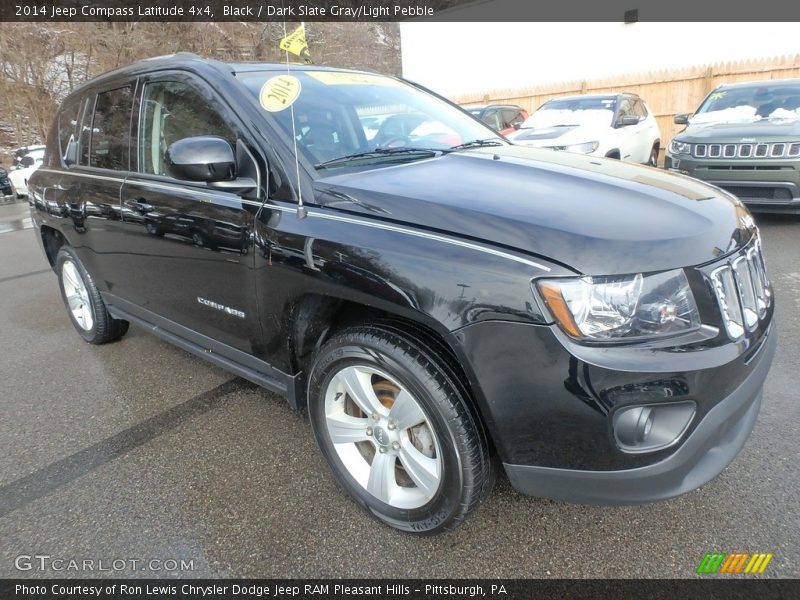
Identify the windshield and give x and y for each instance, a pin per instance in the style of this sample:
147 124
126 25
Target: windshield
339 114
749 104
573 112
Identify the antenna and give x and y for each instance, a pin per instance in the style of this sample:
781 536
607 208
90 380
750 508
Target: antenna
302 213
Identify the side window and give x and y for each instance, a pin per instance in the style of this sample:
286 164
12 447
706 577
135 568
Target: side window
111 130
639 109
68 120
625 107
492 119
512 117
171 111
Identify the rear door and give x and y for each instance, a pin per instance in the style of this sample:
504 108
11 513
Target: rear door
88 193
189 263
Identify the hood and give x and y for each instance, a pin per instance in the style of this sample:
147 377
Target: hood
527 134
593 215
777 130
543 137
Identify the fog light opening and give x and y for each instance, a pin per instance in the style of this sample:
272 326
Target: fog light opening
647 428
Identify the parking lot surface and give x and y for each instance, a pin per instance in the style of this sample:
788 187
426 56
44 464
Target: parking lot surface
137 450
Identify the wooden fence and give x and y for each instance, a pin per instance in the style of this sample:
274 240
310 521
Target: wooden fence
667 92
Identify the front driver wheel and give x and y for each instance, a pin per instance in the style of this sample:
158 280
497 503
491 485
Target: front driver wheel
395 428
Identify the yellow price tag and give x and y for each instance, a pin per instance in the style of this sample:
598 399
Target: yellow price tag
279 92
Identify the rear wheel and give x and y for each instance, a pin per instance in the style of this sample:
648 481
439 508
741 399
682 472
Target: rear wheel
85 307
397 431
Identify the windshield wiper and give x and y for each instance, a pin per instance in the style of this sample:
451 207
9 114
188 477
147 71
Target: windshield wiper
377 153
478 144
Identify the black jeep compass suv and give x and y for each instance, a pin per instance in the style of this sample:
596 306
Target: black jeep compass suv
441 301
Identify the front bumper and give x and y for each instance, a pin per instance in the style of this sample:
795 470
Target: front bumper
704 454
768 185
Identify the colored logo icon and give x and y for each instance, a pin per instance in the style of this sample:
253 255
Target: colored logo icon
739 562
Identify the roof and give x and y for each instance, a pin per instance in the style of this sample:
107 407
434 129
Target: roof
195 63
769 82
485 106
578 96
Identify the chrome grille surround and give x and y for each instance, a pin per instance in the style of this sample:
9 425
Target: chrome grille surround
742 290
747 150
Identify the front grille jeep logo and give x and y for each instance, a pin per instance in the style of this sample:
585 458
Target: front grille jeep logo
221 307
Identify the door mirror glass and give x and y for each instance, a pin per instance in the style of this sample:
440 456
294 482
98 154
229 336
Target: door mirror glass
202 158
681 119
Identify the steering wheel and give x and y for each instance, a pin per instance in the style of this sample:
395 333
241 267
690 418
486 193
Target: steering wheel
320 140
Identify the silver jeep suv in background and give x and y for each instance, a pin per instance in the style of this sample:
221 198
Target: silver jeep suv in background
745 138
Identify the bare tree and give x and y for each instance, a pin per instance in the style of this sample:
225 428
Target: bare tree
40 63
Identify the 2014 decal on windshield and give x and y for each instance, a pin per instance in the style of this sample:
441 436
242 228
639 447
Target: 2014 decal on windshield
279 92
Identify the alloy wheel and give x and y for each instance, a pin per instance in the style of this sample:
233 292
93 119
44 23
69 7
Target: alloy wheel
383 437
77 296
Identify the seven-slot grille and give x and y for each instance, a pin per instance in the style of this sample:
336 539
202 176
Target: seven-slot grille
762 150
742 290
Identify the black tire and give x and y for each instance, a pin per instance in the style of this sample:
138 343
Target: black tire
653 160
104 328
468 471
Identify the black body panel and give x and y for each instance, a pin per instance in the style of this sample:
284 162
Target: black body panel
453 243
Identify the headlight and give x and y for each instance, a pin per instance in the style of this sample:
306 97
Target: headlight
622 307
677 147
584 148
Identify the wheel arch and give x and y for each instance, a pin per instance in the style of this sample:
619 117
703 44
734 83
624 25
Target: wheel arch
52 241
317 318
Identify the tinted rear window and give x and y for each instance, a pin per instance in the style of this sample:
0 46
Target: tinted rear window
67 125
111 130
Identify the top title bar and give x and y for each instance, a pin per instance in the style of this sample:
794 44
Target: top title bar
628 11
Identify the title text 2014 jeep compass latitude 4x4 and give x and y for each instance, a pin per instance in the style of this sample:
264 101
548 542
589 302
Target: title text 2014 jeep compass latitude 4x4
440 300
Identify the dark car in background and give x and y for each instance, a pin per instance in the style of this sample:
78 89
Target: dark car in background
503 118
745 138
6 188
444 305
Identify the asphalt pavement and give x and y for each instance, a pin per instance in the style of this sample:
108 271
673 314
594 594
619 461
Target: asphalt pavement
136 452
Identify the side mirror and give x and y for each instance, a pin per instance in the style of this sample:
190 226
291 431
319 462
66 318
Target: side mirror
202 158
517 126
681 119
627 120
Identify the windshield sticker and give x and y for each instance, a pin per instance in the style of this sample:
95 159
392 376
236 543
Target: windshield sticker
341 78
279 93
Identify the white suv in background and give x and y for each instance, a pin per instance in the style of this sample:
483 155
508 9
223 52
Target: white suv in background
612 125
26 161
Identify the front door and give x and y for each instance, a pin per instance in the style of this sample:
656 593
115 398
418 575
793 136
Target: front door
189 258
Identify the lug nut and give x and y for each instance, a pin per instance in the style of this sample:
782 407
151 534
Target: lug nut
382 450
369 430
375 416
395 445
391 425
